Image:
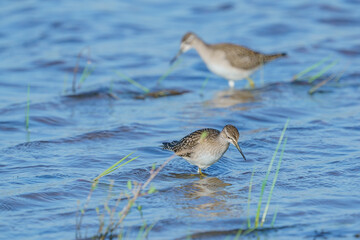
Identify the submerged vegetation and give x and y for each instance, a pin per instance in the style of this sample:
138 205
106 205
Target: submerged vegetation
111 218
145 91
151 94
203 86
312 67
257 222
133 82
171 68
320 74
87 70
334 76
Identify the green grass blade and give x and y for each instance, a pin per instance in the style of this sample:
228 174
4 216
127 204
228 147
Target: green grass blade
300 74
337 78
147 231
122 164
322 83
322 71
111 86
248 231
249 199
204 85
27 108
120 236
117 163
86 73
274 217
133 82
267 174
65 84
140 233
170 69
238 234
112 167
273 184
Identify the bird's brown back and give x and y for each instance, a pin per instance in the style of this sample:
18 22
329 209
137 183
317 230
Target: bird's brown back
243 57
186 145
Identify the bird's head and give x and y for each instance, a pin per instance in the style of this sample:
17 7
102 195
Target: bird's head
232 135
187 43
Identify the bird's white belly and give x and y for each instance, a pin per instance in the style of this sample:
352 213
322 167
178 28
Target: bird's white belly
205 157
229 72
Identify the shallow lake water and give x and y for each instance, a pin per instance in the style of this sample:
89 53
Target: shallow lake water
73 137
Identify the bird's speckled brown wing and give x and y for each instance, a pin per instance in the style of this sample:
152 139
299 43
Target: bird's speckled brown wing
184 147
242 57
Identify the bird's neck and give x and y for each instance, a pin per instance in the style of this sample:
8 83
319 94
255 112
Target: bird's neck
224 145
202 48
222 140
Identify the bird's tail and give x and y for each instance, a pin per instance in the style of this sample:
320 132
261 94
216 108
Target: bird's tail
169 145
271 57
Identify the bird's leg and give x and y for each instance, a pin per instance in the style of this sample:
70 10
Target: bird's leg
231 84
201 174
251 82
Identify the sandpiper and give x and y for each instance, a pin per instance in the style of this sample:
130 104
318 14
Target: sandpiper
206 146
230 61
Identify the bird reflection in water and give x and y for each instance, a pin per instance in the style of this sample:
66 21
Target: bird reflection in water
232 97
207 197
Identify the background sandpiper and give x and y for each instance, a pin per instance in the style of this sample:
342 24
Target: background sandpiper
230 61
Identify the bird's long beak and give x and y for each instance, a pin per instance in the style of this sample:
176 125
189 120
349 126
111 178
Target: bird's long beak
238 148
177 55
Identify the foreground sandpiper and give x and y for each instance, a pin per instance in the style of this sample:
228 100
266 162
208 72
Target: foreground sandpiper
206 146
230 61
